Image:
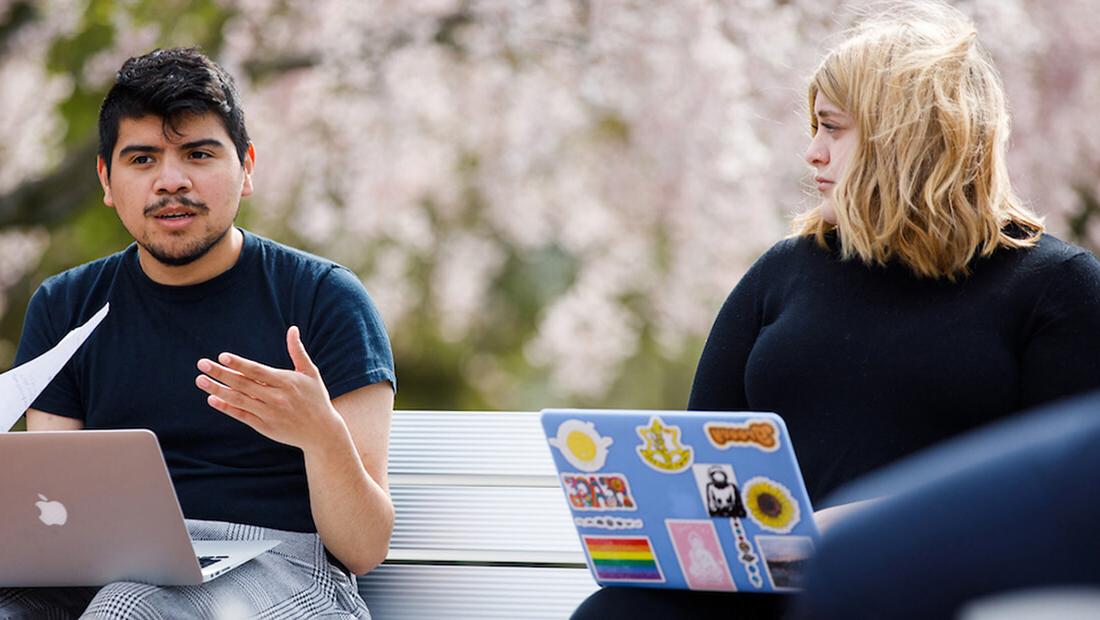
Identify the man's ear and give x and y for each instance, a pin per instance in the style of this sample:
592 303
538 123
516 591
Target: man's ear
104 180
249 165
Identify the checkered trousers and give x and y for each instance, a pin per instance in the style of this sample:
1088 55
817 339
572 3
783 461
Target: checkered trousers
293 580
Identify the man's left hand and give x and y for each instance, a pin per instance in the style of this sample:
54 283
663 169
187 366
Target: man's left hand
288 406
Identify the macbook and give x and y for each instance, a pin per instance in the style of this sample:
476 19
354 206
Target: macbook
686 500
92 507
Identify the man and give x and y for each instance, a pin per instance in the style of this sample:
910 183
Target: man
265 372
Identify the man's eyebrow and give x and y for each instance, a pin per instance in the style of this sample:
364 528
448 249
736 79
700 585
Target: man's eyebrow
139 148
187 146
201 143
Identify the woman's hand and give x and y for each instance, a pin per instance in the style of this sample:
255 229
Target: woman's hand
826 518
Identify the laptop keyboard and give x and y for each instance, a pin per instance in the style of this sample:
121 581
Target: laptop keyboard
207 560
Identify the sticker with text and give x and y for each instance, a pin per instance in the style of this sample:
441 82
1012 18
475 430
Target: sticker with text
760 434
785 558
609 522
623 559
718 488
581 445
700 555
598 492
661 448
745 554
770 505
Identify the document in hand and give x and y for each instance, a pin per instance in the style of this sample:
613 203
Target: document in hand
21 385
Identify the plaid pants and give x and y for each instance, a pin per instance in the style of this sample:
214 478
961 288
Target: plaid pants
293 580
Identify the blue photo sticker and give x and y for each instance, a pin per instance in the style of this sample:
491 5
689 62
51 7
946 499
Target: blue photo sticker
785 559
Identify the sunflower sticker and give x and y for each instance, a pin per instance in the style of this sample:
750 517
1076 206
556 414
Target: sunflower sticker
770 505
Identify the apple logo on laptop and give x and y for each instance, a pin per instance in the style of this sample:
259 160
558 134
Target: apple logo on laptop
51 512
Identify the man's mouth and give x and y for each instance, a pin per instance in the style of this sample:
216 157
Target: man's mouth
175 209
176 215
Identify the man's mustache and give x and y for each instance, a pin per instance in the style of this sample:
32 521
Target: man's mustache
179 200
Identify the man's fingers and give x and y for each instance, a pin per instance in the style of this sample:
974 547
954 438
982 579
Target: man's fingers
232 378
236 413
228 395
298 354
253 370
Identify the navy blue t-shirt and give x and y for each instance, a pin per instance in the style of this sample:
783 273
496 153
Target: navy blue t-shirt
137 369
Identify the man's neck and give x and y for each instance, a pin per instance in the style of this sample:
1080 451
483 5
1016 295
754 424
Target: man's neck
221 257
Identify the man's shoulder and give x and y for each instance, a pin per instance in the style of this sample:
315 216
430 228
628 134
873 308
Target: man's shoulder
290 267
85 277
285 259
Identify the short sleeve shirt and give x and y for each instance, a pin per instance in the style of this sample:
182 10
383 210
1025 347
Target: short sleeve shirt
138 368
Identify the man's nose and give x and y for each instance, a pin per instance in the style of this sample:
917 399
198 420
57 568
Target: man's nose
172 179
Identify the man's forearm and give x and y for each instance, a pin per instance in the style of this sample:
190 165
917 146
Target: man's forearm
353 513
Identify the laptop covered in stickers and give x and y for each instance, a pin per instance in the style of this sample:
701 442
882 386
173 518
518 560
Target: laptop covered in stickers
685 500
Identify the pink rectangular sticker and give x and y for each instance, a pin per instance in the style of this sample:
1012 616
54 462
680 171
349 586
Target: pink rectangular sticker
700 555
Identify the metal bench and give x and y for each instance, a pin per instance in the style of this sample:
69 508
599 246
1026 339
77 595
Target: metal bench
482 528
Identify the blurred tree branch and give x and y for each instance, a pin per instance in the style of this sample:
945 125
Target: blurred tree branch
18 15
51 198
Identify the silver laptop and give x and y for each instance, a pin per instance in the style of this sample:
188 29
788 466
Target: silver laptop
88 508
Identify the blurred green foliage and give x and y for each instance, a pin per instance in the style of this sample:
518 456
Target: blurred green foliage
429 364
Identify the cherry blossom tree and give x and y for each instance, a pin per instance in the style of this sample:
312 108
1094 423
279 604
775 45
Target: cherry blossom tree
548 200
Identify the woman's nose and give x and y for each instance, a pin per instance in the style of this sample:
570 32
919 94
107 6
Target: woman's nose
816 154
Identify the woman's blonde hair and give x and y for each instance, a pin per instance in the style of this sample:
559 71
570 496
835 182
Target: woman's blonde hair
927 184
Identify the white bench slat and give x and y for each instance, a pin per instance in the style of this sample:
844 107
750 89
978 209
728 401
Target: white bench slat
469 443
474 592
484 519
553 559
458 480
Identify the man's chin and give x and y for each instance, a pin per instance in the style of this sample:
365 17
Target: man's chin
182 256
175 261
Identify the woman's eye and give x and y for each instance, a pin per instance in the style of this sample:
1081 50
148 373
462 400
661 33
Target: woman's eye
829 127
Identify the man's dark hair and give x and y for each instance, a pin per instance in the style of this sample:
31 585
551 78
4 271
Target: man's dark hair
172 84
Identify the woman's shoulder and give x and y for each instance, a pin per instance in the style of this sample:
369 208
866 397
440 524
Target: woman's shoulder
794 252
1052 253
1051 266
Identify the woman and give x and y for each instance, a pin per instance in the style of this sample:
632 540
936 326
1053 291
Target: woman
920 298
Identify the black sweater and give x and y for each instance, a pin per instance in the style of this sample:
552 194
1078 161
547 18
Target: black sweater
868 364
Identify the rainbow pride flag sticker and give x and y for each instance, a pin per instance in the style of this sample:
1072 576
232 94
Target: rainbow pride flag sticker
623 558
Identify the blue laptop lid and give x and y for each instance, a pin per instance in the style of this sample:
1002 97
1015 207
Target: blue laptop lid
687 500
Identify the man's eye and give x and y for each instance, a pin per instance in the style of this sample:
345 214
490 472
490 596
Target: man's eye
200 155
141 159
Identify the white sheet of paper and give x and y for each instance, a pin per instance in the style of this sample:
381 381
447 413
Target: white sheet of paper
22 384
